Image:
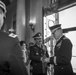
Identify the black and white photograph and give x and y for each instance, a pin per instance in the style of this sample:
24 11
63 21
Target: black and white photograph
37 37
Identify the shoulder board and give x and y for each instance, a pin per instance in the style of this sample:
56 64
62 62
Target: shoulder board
13 35
59 44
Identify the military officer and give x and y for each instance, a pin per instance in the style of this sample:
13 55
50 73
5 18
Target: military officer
11 60
62 52
37 53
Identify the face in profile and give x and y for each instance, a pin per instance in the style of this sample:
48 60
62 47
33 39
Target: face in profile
57 34
24 46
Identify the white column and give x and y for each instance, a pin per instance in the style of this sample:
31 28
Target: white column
20 24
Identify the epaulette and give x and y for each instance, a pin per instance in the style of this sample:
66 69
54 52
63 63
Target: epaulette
59 44
13 35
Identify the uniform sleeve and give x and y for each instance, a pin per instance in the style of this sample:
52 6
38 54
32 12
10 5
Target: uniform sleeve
47 55
66 53
16 59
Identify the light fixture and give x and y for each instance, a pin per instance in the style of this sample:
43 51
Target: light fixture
32 25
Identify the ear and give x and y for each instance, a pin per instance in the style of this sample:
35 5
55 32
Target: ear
4 15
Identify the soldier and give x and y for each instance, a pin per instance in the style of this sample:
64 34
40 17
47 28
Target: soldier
62 52
11 60
37 53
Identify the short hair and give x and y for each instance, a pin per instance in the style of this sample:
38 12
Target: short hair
22 42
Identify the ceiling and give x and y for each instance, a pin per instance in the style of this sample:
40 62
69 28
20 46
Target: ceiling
61 2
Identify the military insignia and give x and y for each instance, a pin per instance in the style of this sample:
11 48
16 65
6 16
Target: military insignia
13 35
37 53
59 44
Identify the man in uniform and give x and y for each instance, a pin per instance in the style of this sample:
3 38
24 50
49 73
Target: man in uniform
11 60
62 52
37 53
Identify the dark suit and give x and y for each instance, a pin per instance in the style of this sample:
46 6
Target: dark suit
63 53
11 60
35 55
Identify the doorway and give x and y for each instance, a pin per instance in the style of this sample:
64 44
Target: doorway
67 18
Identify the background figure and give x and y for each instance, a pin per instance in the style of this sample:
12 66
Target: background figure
11 31
25 55
24 50
29 61
37 53
30 45
62 53
11 60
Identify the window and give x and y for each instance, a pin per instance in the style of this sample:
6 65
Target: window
67 18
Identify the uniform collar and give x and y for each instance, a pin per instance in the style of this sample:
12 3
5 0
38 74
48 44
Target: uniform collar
39 46
59 38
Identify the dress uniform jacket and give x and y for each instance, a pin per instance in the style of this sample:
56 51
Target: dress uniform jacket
35 55
63 54
11 61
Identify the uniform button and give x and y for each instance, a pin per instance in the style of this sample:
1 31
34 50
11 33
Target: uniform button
62 68
37 53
